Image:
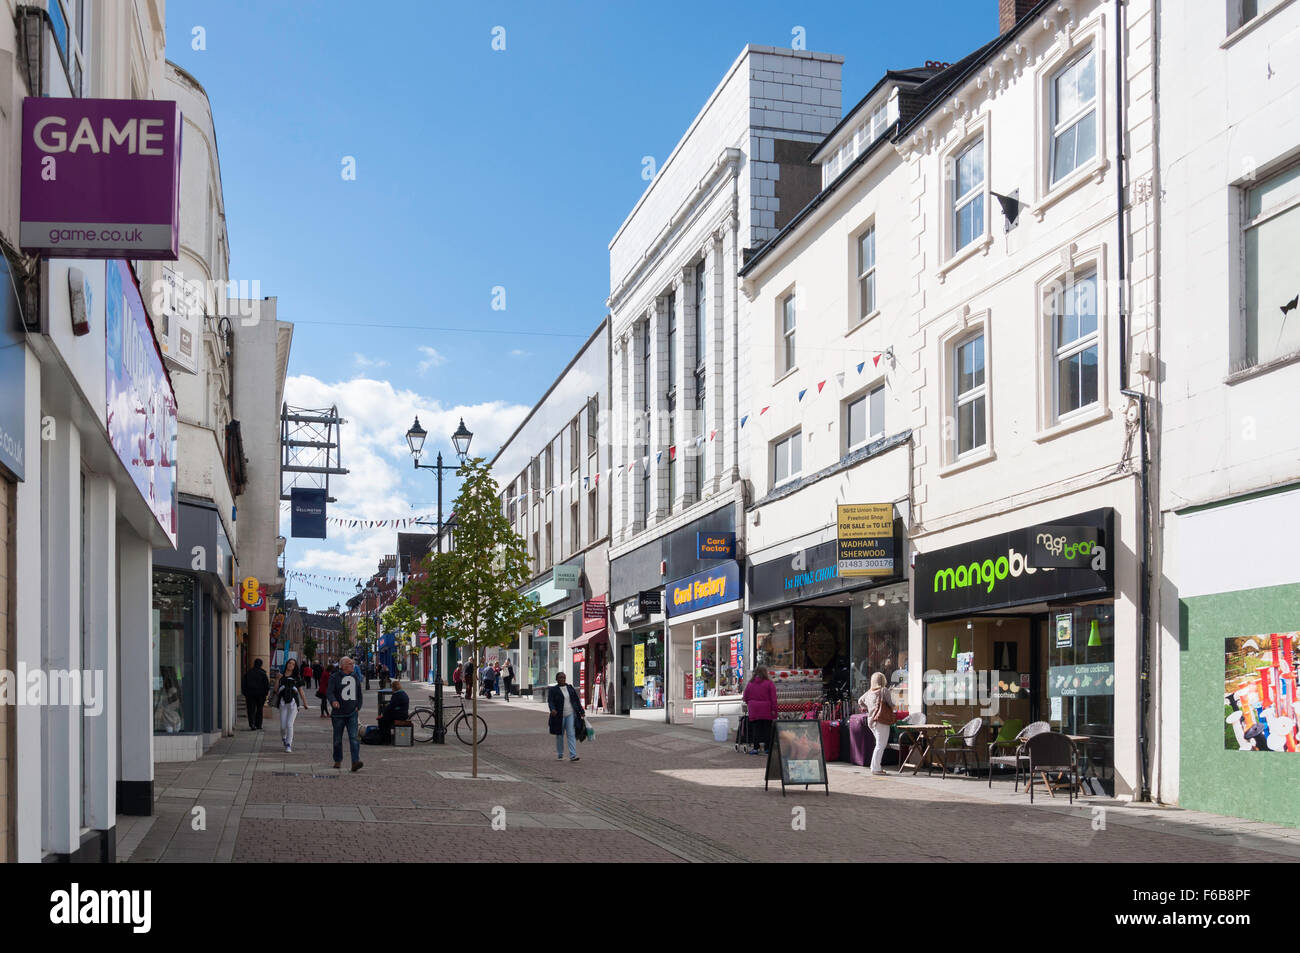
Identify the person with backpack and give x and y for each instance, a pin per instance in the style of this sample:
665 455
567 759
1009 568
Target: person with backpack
760 705
880 718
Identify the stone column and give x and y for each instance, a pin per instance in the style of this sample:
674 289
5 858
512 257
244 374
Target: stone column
101 656
136 673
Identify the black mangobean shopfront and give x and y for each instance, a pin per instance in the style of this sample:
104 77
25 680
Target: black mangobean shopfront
822 632
1020 627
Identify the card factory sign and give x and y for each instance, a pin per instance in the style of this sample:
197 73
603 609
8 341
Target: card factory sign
101 178
704 590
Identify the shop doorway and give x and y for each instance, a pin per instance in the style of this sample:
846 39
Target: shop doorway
624 679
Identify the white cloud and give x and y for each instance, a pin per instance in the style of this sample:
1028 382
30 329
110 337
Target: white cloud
381 482
362 361
517 352
431 358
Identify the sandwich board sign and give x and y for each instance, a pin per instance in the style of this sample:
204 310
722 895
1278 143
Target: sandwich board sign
796 755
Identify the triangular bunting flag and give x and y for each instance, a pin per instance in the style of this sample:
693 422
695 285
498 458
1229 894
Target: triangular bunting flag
645 462
802 392
875 361
699 441
672 452
765 410
820 385
861 366
742 421
712 434
659 457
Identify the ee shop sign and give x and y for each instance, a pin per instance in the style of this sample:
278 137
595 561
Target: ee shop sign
1034 564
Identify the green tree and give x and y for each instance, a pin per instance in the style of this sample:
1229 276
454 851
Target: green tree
309 646
403 619
474 589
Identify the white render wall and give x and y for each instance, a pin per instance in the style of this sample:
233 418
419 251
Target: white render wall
1235 121
714 196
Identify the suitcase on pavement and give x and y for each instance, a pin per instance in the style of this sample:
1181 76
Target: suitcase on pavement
831 740
861 741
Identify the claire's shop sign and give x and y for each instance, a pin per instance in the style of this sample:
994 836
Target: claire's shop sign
101 178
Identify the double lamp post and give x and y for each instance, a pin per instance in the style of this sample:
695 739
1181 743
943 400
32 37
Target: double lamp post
460 440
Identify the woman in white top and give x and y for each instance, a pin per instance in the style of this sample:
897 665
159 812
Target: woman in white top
875 698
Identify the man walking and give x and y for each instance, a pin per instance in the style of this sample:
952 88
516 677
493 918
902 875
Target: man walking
256 686
344 696
508 676
566 717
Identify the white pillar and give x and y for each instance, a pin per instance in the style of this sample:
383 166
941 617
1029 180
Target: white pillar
28 638
718 386
135 673
684 412
100 661
61 648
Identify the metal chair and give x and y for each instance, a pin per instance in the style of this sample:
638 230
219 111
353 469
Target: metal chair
962 743
1017 747
915 718
1052 752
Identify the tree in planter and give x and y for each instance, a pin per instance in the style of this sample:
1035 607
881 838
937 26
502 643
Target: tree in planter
475 588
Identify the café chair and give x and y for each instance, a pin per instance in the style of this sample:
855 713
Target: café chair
903 739
1016 745
1052 753
959 743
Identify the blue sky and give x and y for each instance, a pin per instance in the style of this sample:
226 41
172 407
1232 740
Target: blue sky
475 169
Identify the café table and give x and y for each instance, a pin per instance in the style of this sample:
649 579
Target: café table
925 735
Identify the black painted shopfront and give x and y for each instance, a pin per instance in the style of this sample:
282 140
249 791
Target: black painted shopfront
1019 627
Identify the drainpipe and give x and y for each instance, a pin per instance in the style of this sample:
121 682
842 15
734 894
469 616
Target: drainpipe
1144 583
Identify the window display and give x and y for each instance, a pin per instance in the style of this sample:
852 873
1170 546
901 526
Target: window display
173 620
879 644
806 637
719 665
648 682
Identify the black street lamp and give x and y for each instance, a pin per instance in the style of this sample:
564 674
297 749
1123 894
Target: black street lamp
460 440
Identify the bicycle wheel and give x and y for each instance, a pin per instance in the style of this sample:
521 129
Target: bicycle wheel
463 729
422 723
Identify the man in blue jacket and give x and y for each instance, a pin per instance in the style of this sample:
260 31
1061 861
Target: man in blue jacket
344 697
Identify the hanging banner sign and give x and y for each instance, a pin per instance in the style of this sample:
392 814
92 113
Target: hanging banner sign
865 539
308 513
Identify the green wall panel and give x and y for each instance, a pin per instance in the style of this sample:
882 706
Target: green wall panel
1264 786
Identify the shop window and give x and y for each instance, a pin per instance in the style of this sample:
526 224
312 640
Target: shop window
806 638
174 636
878 642
648 671
719 665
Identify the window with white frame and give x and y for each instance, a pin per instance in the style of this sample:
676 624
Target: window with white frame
968 195
864 418
969 389
1075 345
1271 235
787 457
785 363
701 355
867 272
68 24
1074 114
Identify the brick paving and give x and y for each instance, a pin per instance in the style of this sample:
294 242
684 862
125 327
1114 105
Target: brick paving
641 792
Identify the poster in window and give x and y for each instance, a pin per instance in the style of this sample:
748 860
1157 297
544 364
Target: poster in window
1064 630
1259 692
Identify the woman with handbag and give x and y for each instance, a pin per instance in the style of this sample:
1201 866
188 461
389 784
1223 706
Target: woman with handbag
566 716
760 705
880 718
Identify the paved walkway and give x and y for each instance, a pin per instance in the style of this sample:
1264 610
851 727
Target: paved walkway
642 791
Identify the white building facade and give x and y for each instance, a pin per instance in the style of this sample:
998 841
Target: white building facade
556 500
84 513
737 176
1230 467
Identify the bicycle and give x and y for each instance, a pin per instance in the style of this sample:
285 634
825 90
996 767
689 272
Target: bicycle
423 719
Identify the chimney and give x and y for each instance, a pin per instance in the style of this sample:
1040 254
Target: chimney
1011 12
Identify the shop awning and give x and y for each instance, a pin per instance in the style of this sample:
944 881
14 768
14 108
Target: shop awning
590 638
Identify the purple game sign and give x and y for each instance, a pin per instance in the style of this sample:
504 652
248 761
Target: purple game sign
101 178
